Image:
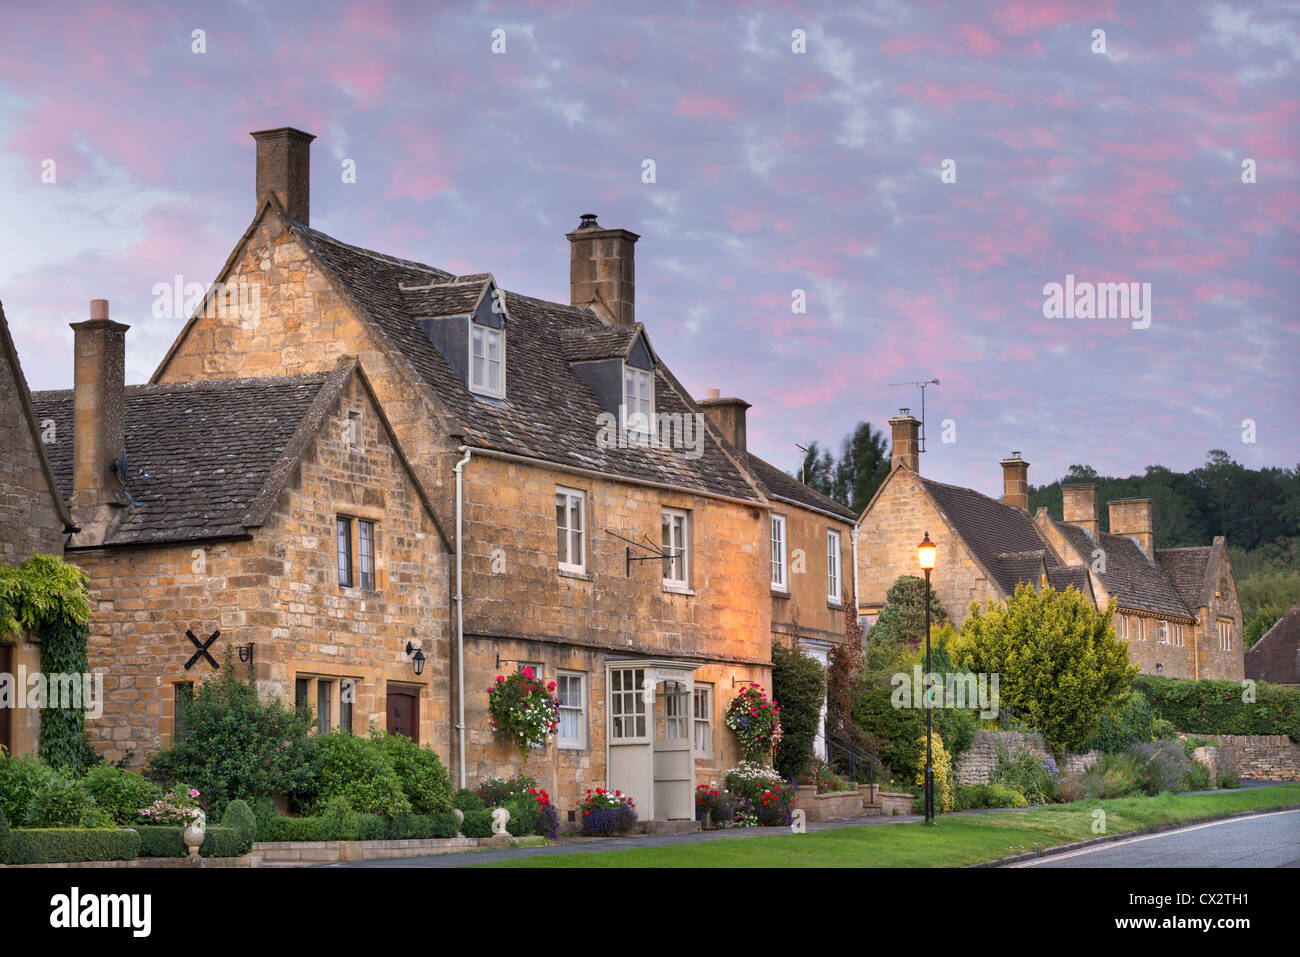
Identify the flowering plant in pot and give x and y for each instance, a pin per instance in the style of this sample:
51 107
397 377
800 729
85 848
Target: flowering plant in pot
606 813
523 710
177 807
770 797
756 722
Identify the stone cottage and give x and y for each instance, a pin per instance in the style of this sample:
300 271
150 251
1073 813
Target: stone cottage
33 521
273 521
1176 608
602 531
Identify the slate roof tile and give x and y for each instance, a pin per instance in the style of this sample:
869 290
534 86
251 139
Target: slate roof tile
1276 656
780 484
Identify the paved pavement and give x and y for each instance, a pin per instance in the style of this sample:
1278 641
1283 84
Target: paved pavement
1263 840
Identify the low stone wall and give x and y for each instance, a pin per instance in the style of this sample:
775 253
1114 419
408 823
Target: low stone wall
326 852
976 766
1220 761
835 806
894 803
1261 757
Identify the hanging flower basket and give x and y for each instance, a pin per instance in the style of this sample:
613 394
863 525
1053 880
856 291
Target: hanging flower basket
523 711
756 722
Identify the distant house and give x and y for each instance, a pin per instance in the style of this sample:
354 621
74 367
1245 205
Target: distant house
33 521
1275 658
1176 608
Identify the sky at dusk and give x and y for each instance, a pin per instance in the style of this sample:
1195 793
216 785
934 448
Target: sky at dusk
774 171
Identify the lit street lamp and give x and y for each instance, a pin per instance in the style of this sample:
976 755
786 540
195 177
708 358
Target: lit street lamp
925 558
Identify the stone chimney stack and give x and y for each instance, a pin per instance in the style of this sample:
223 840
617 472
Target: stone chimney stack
284 169
1131 518
1080 507
602 273
1015 481
99 421
728 416
905 447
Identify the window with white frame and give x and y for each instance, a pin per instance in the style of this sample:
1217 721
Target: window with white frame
704 720
627 711
571 689
487 360
778 553
534 666
833 565
1162 633
1121 627
676 547
1225 635
638 400
1176 635
570 529
674 710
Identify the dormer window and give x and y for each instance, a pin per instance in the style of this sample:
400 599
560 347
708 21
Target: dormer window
487 361
638 400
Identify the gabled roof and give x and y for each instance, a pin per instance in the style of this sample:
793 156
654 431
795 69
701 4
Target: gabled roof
780 485
1192 570
1276 656
584 344
207 460
1132 579
1062 577
9 355
457 297
993 531
549 412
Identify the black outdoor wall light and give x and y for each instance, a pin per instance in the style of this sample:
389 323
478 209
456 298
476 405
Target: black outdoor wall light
417 659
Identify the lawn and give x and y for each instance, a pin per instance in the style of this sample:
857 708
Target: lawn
956 841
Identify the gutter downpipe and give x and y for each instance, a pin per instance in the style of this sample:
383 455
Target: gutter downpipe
460 615
857 602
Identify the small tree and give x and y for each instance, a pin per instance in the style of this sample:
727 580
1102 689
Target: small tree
1059 663
799 683
238 744
903 617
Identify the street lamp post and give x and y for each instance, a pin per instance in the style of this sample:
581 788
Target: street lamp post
925 557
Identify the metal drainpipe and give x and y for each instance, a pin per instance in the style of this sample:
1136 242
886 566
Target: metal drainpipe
460 614
857 600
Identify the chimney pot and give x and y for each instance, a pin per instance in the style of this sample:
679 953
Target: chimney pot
284 170
905 441
728 417
99 421
1131 518
602 270
1015 482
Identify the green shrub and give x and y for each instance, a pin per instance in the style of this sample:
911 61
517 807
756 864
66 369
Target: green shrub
1216 707
20 778
264 812
1164 765
340 820
63 802
69 844
295 829
467 800
222 842
239 745
4 837
944 786
240 817
1229 780
799 685
161 841
1114 776
497 792
410 827
422 777
1126 722
988 795
358 770
120 792
1061 665
373 827
1026 772
1069 790
445 825
523 816
893 730
477 823
1197 778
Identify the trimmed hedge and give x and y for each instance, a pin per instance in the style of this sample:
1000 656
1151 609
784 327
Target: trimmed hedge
1215 707
240 816
157 841
71 844
477 823
445 825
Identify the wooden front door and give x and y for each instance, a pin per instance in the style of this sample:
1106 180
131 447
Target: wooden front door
404 712
7 668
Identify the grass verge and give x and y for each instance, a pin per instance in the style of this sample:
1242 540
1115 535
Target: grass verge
957 841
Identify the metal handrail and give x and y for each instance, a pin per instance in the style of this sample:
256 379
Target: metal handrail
852 756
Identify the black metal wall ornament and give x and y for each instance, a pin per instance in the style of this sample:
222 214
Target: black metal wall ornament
203 649
245 652
657 553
